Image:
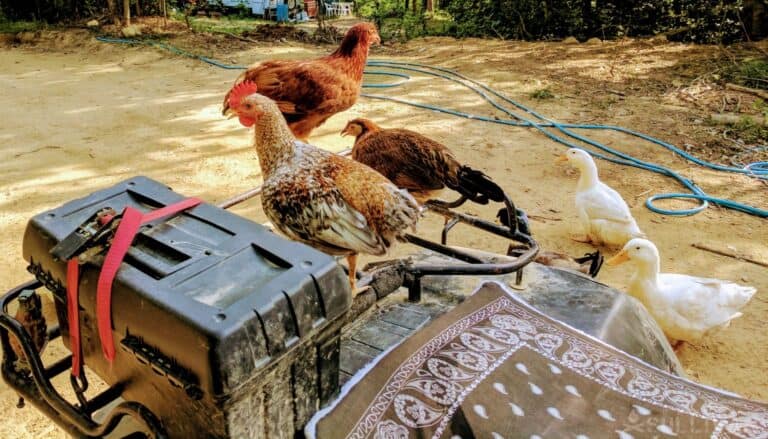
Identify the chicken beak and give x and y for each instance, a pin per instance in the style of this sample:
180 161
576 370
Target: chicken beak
620 258
561 158
229 113
344 132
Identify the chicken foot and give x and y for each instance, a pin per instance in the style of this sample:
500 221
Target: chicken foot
352 263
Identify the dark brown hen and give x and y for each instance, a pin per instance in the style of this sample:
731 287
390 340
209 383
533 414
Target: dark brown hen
417 163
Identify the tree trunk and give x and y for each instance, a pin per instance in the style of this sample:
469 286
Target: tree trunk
406 4
320 15
755 18
586 16
127 12
378 19
112 11
138 8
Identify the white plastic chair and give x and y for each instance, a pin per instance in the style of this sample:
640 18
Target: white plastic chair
331 9
344 8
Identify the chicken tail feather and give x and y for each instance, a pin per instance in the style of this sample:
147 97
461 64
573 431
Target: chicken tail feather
477 186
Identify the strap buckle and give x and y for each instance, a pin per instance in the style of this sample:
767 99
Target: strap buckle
89 238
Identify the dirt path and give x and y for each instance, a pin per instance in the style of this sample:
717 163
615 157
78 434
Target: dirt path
77 119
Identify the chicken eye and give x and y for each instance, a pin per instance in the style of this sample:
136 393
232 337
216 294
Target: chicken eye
637 248
248 106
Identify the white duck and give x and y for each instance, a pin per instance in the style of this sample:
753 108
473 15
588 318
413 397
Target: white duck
685 307
604 215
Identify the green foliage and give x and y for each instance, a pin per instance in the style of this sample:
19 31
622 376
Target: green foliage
396 22
750 131
761 107
12 27
710 21
543 93
703 21
751 73
50 10
227 24
700 21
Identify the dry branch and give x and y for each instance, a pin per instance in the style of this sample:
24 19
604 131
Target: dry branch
730 119
754 91
729 253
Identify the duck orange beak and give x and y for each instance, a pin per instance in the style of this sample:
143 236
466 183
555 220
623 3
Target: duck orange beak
561 158
620 258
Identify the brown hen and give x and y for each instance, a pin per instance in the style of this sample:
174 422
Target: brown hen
329 202
309 92
417 163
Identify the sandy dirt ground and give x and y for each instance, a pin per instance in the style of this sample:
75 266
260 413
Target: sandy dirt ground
78 115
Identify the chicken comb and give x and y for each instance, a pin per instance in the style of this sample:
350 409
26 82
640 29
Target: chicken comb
240 91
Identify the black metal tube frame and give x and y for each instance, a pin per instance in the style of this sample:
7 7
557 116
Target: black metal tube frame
473 265
35 384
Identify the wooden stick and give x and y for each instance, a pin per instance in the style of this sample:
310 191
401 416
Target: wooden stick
730 119
730 254
757 92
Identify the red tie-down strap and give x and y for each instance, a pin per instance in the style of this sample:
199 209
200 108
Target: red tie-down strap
129 225
73 278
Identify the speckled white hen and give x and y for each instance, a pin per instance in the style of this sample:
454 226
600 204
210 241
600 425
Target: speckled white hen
322 199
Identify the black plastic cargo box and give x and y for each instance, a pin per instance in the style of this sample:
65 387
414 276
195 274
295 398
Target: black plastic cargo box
222 328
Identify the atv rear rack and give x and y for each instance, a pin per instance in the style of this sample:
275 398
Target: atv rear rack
410 273
33 383
33 380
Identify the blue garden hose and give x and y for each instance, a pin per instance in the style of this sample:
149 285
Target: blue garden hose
757 170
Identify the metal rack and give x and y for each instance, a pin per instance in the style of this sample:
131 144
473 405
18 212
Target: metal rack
33 383
33 380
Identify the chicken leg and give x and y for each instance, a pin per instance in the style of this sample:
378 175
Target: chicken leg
352 263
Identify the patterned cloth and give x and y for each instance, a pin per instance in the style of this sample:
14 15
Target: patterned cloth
494 367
